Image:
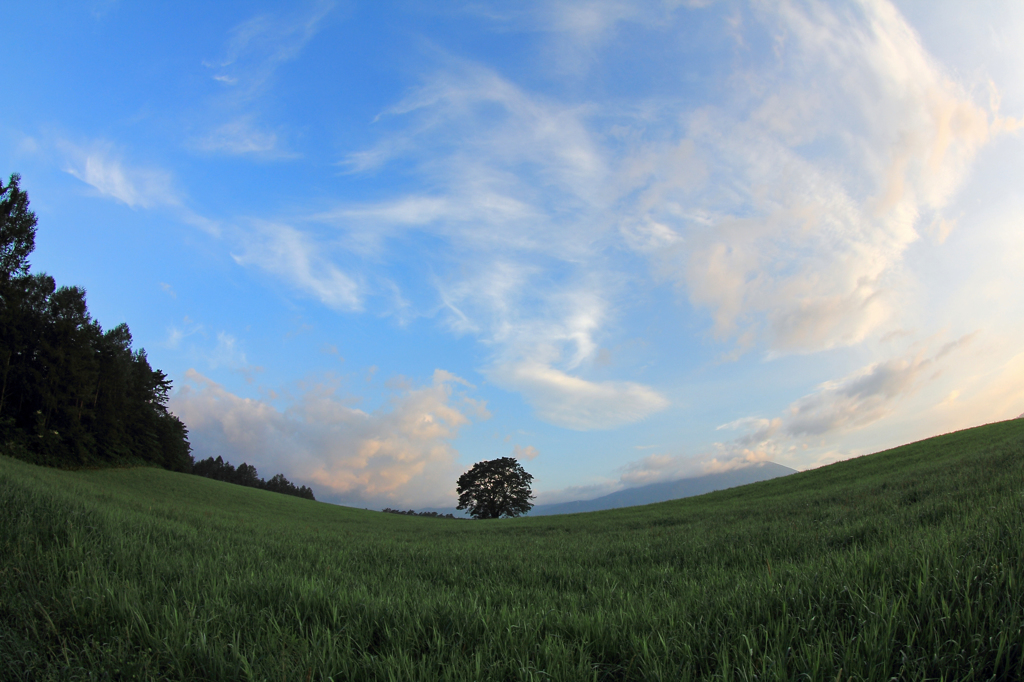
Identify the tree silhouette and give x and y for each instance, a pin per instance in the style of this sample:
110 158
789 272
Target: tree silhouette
495 488
71 394
246 475
17 229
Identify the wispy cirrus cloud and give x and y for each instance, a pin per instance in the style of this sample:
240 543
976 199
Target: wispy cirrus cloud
579 32
818 175
258 46
782 204
254 52
290 254
100 165
525 281
242 136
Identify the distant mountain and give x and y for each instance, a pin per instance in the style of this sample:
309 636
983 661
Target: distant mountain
668 490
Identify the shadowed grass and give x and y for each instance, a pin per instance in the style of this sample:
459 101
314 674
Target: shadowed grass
904 564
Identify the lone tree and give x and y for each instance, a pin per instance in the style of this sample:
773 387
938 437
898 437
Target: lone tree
495 488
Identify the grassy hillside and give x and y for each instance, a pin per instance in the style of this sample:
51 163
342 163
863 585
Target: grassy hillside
906 564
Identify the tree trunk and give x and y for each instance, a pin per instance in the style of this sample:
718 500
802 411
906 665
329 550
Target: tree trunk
3 391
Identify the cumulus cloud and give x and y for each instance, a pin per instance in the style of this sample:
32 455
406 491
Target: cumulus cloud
401 454
527 453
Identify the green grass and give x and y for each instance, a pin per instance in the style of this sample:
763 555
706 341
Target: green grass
906 564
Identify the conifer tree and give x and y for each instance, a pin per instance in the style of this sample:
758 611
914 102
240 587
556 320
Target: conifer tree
70 394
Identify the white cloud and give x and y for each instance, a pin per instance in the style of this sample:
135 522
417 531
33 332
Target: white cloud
808 430
835 408
499 156
540 345
242 136
784 205
227 353
818 175
399 455
654 468
101 166
574 403
580 28
527 453
857 400
175 334
284 251
254 52
260 45
174 337
579 31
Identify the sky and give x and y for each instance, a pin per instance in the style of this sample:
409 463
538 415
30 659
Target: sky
373 243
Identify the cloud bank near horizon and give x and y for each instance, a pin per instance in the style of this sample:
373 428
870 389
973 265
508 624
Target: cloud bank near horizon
400 454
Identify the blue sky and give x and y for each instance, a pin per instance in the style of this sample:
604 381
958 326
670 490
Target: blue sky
374 243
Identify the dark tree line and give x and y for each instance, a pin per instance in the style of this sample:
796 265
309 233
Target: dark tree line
72 394
246 475
433 515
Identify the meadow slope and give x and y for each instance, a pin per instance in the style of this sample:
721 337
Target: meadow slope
907 564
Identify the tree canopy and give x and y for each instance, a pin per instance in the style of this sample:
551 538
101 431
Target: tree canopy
72 394
17 229
495 488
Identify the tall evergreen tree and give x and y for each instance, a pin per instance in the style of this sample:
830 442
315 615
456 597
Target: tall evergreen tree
17 240
17 230
70 394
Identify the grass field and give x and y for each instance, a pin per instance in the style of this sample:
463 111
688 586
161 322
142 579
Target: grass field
906 564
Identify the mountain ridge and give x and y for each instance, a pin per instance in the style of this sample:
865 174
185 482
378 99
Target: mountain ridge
663 491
